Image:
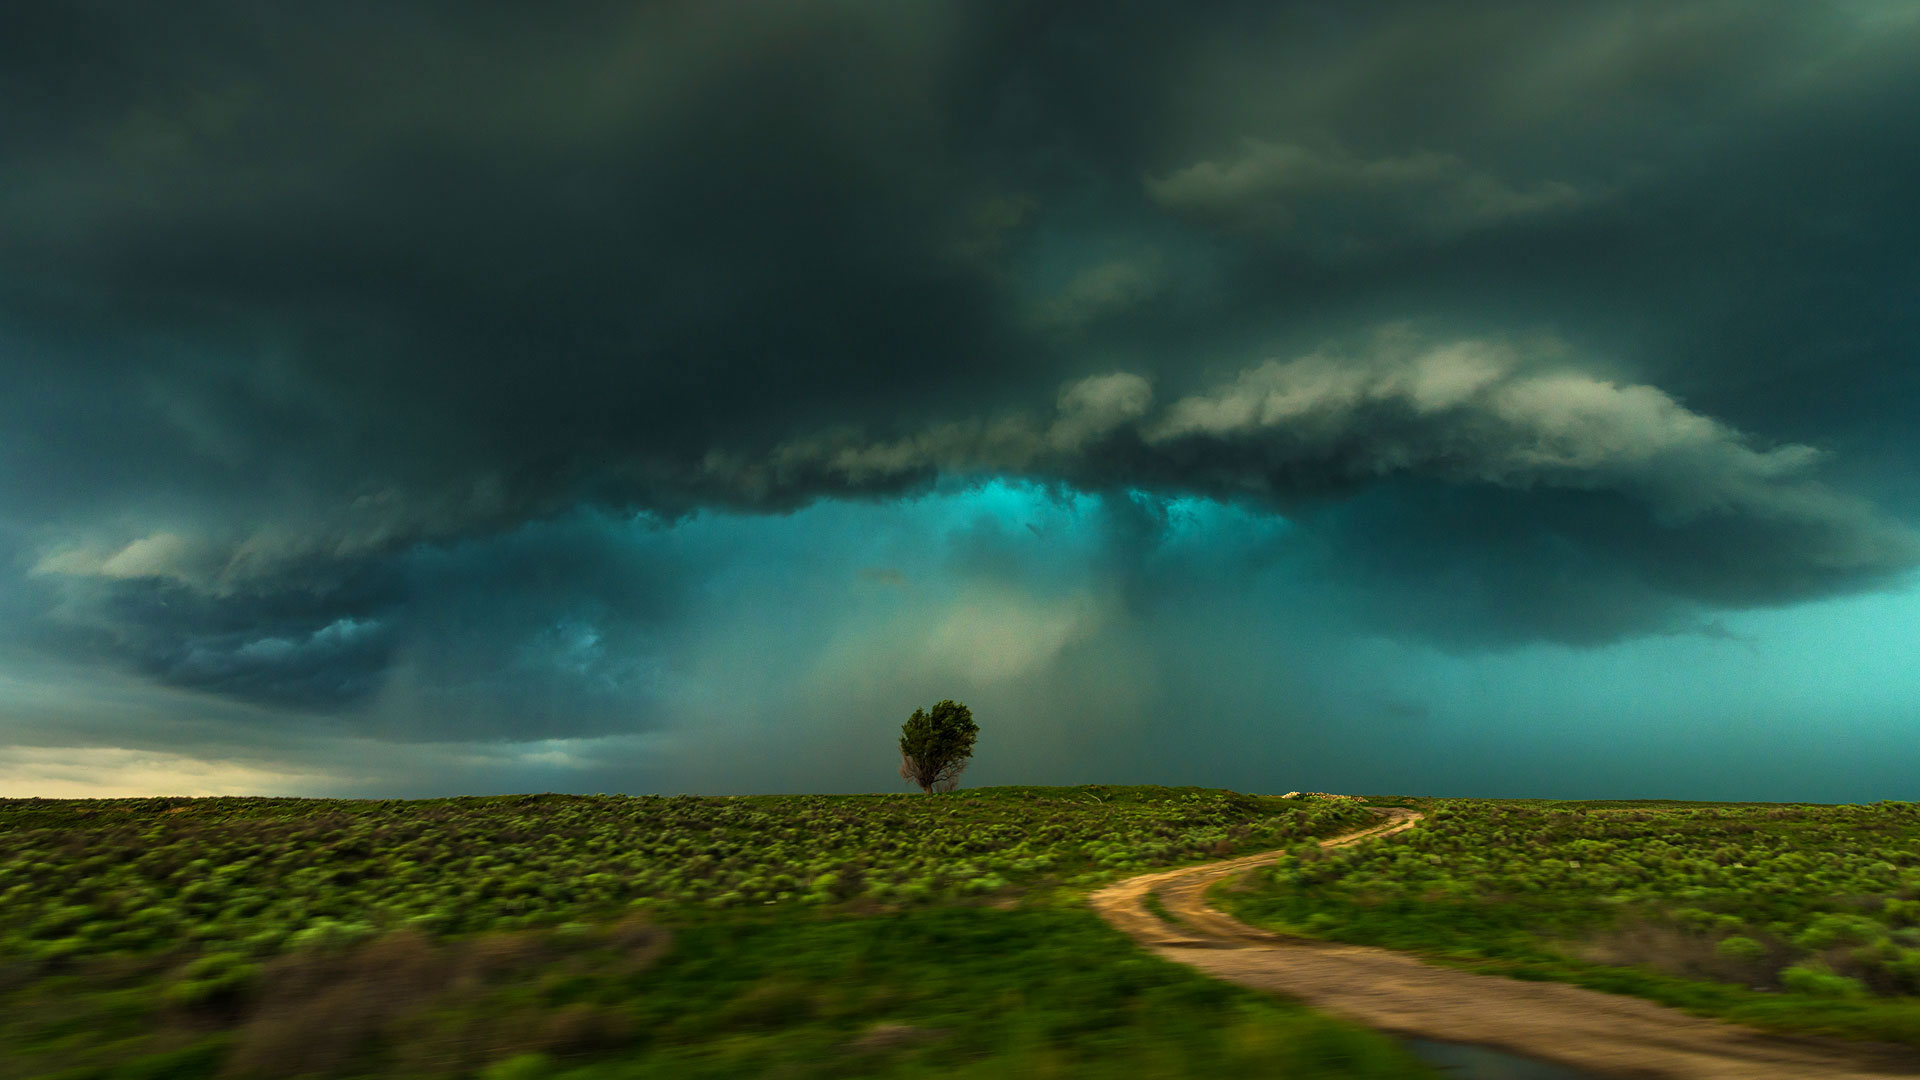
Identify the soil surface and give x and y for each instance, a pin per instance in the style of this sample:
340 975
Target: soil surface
1603 1034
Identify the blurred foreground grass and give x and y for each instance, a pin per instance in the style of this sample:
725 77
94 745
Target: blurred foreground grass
941 992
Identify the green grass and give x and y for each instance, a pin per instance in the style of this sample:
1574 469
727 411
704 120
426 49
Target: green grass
499 938
1797 918
99 877
1158 909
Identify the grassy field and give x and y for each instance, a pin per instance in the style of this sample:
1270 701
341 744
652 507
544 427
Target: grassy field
84 878
1798 918
604 937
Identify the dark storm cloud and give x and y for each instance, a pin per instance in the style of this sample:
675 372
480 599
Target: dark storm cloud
285 645
308 313
563 640
1635 504
1343 204
469 254
549 625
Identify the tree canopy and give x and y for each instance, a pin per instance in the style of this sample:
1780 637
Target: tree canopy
936 744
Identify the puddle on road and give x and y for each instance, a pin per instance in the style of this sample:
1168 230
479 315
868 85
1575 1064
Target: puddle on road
1479 1063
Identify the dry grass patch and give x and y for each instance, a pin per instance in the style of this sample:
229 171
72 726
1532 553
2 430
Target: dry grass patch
426 1008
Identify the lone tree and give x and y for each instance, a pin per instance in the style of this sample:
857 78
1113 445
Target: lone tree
936 744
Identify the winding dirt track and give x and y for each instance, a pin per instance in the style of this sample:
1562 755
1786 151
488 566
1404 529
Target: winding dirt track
1604 1034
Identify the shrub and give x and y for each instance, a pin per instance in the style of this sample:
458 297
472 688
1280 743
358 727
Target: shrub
328 934
1820 981
1905 971
214 979
1829 930
1902 912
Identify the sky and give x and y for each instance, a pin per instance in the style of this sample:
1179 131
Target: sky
426 398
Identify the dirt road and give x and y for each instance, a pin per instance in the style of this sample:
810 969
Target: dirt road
1605 1034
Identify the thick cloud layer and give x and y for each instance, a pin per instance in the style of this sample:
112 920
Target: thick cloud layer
371 364
1345 205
